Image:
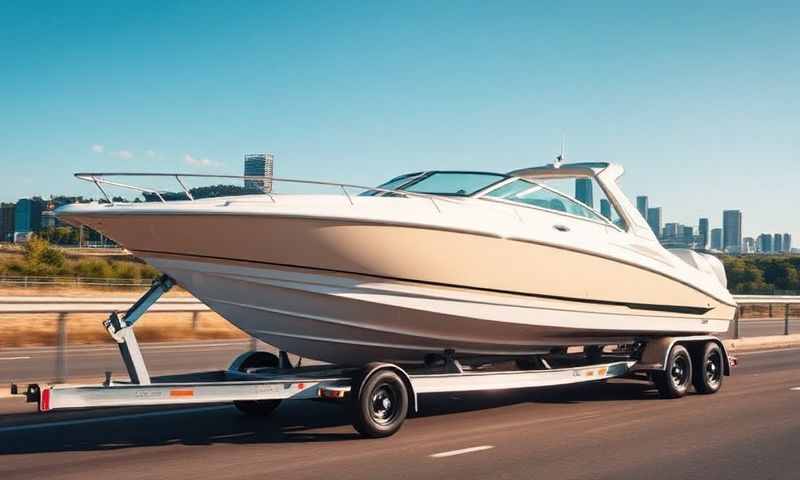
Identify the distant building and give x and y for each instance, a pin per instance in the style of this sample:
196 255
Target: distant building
259 165
732 231
777 243
787 242
765 243
748 245
702 231
654 220
49 219
716 239
583 191
687 236
28 215
641 205
605 208
7 222
670 232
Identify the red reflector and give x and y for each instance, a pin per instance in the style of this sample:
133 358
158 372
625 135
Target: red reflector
44 400
301 386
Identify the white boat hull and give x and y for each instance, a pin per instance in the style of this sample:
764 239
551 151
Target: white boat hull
353 319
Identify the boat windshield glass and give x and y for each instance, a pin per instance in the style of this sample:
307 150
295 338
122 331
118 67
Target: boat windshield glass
460 184
529 193
392 184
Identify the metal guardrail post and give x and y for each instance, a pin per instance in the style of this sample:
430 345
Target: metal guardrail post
786 320
195 319
61 349
736 322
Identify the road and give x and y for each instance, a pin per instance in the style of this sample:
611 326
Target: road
751 429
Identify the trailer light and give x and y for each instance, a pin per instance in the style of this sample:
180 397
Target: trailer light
44 400
332 394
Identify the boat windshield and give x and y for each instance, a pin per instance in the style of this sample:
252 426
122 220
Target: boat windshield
459 184
529 193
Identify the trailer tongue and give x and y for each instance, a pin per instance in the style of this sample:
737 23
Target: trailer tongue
379 395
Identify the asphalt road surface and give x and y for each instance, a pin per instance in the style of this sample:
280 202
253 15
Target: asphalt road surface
619 430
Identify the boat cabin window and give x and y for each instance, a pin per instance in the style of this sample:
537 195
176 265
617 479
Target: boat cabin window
529 193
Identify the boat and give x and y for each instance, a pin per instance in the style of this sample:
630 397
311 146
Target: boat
478 264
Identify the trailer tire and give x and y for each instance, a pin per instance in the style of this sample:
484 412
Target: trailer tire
379 404
708 369
675 379
258 408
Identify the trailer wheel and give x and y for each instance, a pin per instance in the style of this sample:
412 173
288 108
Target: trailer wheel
674 380
708 370
380 404
259 408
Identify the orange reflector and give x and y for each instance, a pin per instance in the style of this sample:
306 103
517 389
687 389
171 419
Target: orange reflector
181 393
301 386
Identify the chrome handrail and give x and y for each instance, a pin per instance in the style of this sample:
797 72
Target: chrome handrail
98 179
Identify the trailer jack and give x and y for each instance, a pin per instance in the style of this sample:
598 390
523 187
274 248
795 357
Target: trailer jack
121 330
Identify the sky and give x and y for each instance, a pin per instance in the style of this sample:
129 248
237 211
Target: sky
698 100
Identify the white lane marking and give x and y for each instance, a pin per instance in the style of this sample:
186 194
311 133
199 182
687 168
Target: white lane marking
83 421
14 358
453 453
795 389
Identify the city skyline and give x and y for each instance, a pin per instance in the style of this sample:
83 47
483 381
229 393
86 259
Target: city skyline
343 94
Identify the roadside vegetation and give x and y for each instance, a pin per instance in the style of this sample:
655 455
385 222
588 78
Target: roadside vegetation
39 258
763 274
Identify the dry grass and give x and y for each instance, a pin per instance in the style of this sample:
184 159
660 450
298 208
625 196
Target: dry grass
81 291
41 330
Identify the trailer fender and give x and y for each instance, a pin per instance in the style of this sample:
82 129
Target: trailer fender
656 351
371 368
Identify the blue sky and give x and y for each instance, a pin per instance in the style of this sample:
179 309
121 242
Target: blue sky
699 102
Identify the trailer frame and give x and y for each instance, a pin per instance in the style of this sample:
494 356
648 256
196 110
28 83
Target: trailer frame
275 379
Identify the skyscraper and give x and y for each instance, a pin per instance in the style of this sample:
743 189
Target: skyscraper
748 245
732 231
583 191
641 205
687 236
703 233
605 208
28 215
670 233
765 242
787 242
654 220
716 239
259 165
7 222
777 243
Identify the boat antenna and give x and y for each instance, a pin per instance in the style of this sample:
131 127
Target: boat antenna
563 155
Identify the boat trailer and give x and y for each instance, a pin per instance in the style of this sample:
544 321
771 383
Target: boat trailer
378 395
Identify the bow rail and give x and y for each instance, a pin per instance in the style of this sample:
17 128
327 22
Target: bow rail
99 179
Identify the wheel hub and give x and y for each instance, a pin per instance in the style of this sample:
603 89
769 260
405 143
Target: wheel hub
383 405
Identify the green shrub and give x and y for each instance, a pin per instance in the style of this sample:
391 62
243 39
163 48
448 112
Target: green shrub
126 270
93 268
